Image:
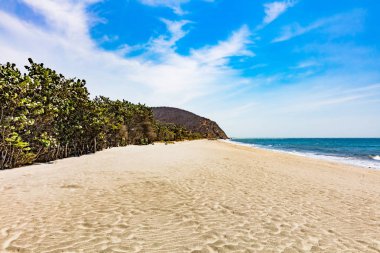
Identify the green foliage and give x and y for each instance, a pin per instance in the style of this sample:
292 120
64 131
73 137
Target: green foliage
172 132
45 116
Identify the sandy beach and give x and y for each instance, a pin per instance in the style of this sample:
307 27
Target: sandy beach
199 196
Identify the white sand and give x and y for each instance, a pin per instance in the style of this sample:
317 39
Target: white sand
201 196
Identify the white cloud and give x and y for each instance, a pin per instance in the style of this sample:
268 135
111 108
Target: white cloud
67 17
66 46
275 9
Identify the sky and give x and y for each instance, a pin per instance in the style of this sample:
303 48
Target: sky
288 68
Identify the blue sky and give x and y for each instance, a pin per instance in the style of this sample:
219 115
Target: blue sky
288 68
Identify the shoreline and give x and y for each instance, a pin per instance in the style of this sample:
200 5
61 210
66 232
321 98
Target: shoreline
194 196
361 163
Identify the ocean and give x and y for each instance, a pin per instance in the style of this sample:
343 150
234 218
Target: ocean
363 152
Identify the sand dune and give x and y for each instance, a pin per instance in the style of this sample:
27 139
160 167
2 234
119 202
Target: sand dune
201 196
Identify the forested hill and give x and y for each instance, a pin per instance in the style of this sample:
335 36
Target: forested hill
190 121
45 116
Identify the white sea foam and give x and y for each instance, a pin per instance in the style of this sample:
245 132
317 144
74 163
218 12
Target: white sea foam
346 160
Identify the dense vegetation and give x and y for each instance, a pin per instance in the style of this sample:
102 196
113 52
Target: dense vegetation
45 116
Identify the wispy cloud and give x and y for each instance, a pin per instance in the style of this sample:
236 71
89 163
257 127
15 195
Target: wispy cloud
291 31
348 56
175 5
236 45
325 106
68 17
274 9
307 64
338 25
339 96
163 43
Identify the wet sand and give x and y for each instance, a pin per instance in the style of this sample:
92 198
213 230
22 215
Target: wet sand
199 196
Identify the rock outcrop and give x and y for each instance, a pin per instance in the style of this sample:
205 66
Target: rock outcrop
190 121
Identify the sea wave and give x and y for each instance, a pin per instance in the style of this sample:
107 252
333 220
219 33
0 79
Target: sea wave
374 164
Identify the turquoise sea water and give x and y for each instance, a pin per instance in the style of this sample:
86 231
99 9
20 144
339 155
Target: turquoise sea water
357 151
